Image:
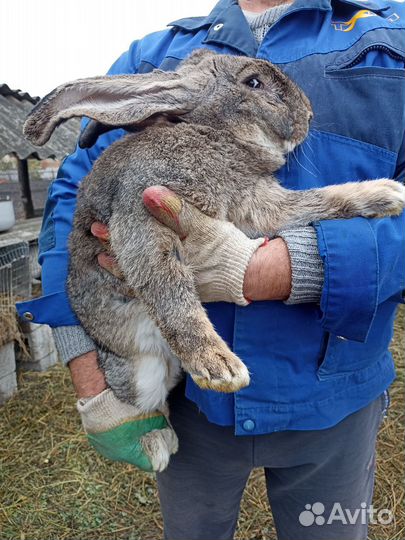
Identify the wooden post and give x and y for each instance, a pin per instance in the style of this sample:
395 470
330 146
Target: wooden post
24 180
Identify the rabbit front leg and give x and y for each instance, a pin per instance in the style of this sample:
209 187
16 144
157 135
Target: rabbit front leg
148 257
272 207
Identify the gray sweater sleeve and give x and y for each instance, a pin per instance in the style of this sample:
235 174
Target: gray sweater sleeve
71 342
306 265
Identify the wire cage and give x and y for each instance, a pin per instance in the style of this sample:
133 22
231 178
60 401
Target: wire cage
17 258
15 284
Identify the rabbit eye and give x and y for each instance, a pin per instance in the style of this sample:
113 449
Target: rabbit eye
254 83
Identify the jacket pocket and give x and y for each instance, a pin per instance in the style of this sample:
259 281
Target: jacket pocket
376 60
342 357
329 363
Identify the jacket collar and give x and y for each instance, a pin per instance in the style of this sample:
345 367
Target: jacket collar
227 25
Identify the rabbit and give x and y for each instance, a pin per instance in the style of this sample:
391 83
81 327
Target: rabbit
214 131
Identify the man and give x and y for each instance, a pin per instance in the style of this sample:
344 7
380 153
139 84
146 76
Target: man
322 298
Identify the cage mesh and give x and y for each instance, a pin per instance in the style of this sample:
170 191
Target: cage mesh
15 284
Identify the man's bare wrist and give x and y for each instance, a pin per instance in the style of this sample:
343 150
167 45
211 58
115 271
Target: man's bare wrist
87 377
268 276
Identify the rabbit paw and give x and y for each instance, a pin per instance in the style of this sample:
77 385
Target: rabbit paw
381 198
159 445
220 370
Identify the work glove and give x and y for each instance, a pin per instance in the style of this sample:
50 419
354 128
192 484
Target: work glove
218 251
119 433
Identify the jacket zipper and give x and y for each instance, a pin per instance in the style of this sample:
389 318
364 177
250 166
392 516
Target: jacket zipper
383 48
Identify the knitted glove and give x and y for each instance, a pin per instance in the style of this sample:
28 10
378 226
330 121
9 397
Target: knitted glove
219 250
119 433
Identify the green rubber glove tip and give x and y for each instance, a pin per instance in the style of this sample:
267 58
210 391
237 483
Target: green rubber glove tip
123 443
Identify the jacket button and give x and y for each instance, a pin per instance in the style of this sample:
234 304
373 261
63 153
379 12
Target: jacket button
28 316
249 425
218 27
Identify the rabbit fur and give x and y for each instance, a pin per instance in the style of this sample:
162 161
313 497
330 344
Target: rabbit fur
214 131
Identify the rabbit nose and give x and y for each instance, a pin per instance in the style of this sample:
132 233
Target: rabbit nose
310 116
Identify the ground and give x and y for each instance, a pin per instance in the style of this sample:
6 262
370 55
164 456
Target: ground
55 487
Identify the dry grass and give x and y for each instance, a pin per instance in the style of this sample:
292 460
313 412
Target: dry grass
9 328
54 487
391 448
8 321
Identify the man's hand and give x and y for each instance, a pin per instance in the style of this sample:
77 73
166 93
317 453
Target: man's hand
117 430
227 264
121 432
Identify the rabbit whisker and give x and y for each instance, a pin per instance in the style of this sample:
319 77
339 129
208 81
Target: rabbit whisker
309 160
302 166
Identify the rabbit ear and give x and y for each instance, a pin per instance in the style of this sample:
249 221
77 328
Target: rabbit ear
123 100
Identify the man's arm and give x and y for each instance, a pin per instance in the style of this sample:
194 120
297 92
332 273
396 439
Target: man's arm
88 379
289 268
268 275
364 262
228 265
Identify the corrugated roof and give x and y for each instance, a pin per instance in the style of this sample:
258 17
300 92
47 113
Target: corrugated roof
14 108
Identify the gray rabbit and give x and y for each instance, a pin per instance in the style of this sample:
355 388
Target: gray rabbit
214 131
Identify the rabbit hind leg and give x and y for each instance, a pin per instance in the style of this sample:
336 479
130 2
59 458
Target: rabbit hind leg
159 445
155 377
147 393
157 368
149 369
138 363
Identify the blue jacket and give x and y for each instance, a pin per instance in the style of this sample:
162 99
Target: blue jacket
311 365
